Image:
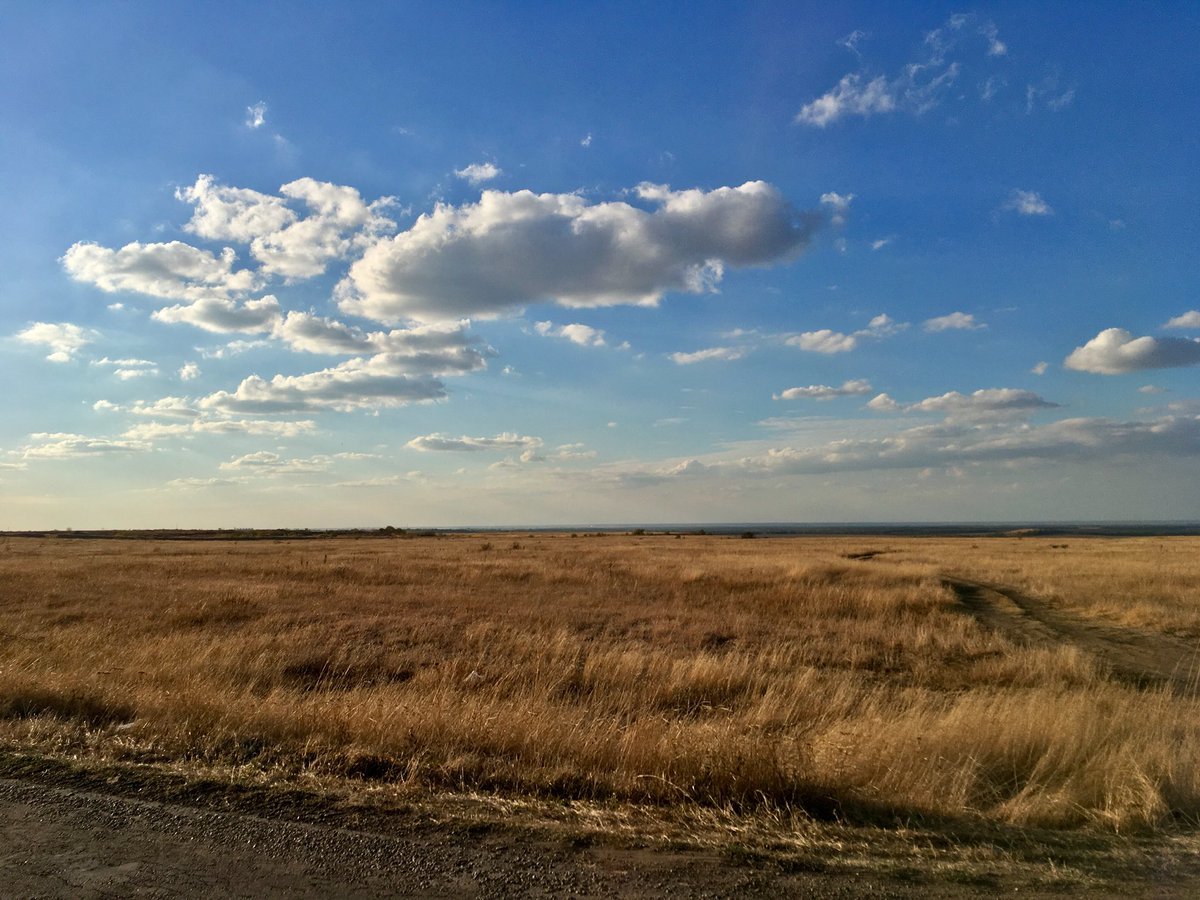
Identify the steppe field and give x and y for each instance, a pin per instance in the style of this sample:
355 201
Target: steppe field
803 699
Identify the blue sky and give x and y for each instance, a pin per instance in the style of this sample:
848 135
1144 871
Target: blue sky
437 264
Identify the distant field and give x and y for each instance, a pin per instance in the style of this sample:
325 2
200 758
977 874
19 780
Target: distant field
1040 681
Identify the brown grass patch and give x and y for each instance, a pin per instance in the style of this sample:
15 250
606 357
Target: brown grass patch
711 672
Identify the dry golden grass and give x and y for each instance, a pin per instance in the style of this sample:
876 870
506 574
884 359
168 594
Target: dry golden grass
767 675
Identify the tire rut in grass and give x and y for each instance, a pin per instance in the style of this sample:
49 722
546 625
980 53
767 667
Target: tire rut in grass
1133 656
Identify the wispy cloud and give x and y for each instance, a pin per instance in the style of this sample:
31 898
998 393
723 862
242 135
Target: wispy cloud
921 85
256 115
1027 203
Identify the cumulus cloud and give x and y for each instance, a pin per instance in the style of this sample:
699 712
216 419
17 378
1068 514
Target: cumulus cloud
984 403
63 339
919 86
228 213
823 341
955 321
851 388
727 354
883 403
1028 203
444 348
504 441
478 173
838 205
379 381
337 222
509 249
826 340
189 371
150 431
584 335
171 271
224 316
1189 319
1115 351
62 445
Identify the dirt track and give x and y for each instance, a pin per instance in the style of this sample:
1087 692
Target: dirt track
1134 656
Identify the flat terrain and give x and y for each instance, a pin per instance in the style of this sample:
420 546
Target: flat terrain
592 714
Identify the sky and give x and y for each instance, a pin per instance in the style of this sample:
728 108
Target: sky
428 264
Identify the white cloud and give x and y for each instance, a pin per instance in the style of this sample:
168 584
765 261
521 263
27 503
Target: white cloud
171 407
63 339
882 242
1189 319
586 140
172 271
968 444
984 403
148 431
823 341
955 321
128 369
189 371
839 206
727 354
379 381
444 348
67 446
851 97
827 341
229 213
478 173
256 115
1028 203
1115 351
1151 389
264 462
851 388
233 348
584 335
224 316
1040 368
504 441
338 223
919 86
510 249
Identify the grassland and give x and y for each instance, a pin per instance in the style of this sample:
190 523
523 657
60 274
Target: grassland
755 682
